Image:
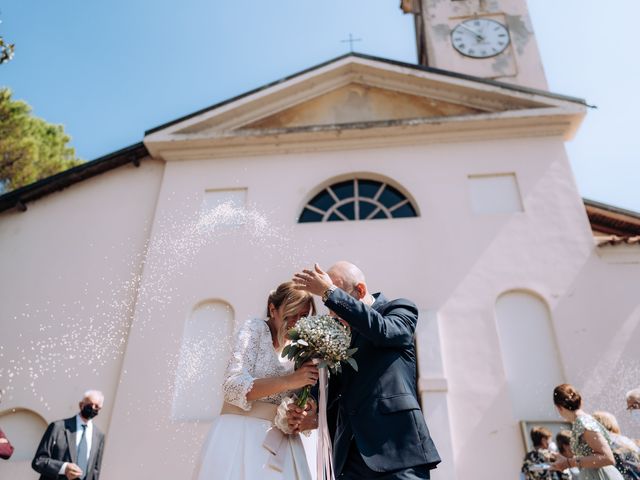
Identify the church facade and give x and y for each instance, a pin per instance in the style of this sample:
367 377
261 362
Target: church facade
447 183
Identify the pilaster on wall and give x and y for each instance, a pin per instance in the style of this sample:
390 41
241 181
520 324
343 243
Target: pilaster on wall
432 385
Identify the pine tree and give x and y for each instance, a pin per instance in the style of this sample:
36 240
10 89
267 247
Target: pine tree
30 148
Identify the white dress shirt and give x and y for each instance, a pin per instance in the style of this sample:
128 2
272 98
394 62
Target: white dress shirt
79 422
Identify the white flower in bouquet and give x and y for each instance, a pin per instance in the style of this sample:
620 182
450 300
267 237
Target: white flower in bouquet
320 337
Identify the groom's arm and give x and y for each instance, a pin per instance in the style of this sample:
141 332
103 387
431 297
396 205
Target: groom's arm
394 329
302 419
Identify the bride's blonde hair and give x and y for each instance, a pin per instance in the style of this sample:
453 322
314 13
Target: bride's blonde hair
291 300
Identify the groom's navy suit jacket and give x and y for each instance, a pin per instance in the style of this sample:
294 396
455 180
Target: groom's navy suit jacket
377 407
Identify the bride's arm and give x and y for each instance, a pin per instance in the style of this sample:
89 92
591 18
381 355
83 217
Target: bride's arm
238 378
241 387
263 387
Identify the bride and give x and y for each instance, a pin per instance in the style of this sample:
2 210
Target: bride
240 444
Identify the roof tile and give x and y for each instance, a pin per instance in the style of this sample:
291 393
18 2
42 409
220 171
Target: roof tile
614 240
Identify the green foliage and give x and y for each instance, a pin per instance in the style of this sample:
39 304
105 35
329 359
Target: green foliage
321 338
353 363
30 148
6 51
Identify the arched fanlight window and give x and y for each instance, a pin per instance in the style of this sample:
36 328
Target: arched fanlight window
357 199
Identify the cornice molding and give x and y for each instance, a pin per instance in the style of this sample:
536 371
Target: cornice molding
481 127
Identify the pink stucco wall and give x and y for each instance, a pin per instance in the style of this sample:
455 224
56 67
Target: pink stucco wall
68 265
450 261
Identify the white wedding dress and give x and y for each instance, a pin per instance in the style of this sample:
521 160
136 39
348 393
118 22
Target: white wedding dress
234 447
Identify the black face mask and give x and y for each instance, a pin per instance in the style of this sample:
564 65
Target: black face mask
88 412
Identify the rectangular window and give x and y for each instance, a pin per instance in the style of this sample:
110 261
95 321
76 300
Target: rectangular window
495 193
224 208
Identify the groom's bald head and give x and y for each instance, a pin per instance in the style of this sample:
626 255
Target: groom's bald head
349 278
347 274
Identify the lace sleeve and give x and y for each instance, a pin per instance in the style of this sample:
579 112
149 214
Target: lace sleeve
238 379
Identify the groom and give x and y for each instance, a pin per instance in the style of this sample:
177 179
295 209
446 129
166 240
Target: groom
380 431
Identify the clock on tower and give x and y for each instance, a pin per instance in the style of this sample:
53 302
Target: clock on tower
484 38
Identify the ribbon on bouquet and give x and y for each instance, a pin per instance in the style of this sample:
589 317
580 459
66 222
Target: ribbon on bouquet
324 457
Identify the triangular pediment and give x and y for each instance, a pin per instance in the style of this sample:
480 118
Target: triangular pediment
358 102
355 97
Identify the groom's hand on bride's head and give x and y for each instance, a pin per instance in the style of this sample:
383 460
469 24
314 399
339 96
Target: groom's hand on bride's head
315 281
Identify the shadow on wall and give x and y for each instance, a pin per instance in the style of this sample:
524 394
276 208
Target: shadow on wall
24 429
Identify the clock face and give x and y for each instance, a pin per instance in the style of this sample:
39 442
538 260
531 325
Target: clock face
480 38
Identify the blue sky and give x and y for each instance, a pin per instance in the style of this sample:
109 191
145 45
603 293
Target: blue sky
110 70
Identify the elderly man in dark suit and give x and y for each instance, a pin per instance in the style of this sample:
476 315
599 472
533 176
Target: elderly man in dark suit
72 448
380 431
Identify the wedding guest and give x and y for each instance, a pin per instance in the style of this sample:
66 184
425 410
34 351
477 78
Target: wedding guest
633 402
72 447
6 449
537 461
633 405
625 450
590 441
563 441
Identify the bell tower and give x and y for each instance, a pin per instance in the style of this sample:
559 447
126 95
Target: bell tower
491 39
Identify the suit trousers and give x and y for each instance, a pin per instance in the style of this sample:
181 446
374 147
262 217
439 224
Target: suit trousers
356 469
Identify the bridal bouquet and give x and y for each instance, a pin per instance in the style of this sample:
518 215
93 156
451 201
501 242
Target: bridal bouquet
321 338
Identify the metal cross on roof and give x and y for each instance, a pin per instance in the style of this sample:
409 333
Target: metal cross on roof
351 41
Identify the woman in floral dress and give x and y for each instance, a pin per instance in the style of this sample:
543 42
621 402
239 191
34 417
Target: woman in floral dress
590 441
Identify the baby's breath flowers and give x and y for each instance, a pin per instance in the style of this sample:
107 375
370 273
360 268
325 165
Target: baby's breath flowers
319 337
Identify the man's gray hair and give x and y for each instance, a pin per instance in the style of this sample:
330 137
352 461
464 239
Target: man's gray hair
635 394
94 393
